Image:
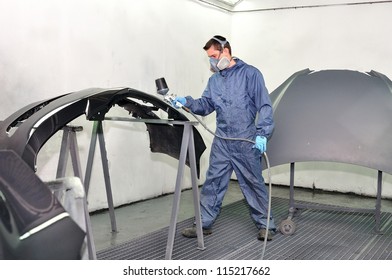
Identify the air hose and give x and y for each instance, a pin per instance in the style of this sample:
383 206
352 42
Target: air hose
268 167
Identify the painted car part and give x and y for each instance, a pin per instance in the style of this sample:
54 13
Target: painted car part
36 123
26 203
33 224
333 116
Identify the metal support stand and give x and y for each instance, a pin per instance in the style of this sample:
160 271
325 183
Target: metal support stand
69 145
187 146
98 133
292 185
377 214
294 206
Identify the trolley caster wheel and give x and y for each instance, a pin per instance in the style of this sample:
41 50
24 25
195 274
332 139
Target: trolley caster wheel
287 227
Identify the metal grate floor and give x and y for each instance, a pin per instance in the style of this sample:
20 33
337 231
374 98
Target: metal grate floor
319 235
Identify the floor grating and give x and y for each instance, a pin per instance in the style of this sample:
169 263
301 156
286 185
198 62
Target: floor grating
319 235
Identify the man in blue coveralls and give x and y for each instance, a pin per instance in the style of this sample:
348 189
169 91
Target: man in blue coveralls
237 93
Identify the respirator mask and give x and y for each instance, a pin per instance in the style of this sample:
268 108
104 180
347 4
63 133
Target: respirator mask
218 64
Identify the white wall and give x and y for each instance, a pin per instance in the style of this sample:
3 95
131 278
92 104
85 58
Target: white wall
52 47
281 42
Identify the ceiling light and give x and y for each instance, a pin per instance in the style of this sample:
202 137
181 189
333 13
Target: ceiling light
231 3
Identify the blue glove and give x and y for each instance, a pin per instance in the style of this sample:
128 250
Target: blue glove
261 143
178 102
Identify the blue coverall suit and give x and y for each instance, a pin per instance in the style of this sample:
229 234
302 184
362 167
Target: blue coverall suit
237 94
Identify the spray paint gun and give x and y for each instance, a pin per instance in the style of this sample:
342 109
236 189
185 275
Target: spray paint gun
163 89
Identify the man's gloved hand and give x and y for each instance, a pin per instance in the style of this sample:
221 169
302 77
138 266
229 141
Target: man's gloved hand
177 101
261 143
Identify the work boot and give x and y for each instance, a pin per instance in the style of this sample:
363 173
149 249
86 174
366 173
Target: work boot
192 233
261 235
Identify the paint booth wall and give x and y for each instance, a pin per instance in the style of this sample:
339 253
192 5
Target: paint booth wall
282 42
52 47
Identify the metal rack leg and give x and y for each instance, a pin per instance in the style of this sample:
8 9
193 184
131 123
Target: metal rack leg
186 145
97 133
195 189
69 144
74 151
105 167
90 158
377 214
177 194
63 158
292 167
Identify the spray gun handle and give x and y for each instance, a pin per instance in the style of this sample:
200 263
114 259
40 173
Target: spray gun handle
178 104
170 98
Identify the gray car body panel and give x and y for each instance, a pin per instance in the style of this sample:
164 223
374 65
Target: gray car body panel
333 116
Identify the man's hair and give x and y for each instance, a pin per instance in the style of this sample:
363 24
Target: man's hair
217 42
